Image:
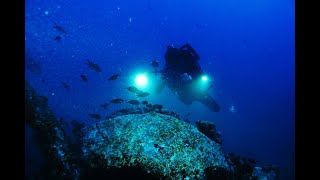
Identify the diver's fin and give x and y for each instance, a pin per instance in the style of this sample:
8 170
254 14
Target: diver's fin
210 103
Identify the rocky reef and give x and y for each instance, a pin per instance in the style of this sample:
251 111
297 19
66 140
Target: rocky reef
51 136
209 129
159 144
143 143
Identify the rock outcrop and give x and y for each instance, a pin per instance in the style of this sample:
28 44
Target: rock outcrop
157 144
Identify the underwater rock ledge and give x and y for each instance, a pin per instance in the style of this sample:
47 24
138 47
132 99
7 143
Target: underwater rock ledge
51 137
159 144
156 144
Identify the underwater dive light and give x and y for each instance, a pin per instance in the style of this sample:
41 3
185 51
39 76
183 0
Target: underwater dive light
141 80
204 78
203 82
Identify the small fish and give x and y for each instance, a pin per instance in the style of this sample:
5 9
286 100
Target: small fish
104 105
84 78
57 38
143 94
132 89
145 102
113 77
65 85
133 102
95 116
93 66
116 101
59 28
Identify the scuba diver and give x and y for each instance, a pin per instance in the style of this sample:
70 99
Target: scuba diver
182 74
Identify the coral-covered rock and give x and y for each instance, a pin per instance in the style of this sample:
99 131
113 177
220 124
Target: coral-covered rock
157 144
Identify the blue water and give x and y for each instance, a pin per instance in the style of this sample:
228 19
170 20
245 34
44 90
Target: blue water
246 47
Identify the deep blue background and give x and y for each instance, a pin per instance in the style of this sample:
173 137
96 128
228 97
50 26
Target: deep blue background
247 48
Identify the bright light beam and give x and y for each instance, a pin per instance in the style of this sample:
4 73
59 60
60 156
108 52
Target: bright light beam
204 78
141 80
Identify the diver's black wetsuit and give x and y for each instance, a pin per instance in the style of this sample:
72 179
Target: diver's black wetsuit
183 61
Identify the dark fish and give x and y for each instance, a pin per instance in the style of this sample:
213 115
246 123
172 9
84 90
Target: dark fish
144 102
134 89
65 85
59 28
84 78
133 102
93 65
155 63
57 38
95 116
114 77
143 94
116 101
104 105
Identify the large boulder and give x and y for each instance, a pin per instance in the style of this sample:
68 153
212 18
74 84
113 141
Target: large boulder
156 144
